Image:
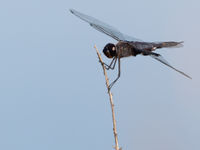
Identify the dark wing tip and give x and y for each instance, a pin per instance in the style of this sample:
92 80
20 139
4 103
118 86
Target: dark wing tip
71 10
184 74
189 77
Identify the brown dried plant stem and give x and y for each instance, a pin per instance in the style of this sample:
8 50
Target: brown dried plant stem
111 100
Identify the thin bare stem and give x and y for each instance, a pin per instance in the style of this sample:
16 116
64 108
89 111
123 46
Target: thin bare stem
111 100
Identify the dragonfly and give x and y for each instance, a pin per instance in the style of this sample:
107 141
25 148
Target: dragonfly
127 45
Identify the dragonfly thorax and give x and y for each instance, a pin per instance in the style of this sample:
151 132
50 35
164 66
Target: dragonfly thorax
109 50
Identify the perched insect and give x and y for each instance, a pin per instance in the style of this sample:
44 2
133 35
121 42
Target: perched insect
127 46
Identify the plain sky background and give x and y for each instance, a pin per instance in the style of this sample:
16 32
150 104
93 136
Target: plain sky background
52 89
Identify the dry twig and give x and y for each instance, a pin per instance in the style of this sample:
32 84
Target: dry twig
111 100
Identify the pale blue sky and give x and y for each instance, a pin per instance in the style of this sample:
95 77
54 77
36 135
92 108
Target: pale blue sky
52 90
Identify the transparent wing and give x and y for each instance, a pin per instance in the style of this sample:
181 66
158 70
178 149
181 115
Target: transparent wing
162 60
103 27
131 39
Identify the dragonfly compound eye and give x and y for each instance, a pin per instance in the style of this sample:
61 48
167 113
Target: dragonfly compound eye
109 50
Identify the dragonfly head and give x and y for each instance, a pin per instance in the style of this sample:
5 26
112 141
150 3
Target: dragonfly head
109 50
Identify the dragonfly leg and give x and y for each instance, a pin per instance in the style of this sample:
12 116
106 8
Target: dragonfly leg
110 86
110 66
